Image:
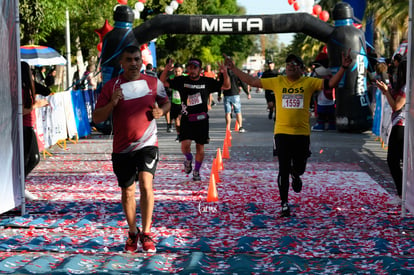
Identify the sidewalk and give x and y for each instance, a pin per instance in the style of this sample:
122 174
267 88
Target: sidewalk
342 220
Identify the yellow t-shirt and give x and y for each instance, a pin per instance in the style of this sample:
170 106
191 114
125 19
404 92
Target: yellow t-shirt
292 102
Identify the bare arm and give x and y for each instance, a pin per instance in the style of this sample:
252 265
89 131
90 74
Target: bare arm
164 74
101 114
396 104
246 78
226 79
346 62
245 89
37 104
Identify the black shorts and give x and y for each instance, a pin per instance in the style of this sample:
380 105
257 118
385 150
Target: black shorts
196 130
127 166
270 96
175 110
292 150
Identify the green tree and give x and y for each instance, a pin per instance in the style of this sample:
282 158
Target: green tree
38 19
208 48
390 22
43 22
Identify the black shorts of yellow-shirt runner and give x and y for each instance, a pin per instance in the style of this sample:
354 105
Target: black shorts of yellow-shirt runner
292 152
197 130
127 166
270 96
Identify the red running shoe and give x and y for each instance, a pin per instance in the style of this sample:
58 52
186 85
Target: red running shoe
131 244
147 243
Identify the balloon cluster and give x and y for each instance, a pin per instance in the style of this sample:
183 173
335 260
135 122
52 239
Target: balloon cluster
173 6
139 6
309 6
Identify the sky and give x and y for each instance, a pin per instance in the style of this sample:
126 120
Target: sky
254 7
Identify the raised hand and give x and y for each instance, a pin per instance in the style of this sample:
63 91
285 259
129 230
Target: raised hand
116 96
169 66
228 62
382 86
222 67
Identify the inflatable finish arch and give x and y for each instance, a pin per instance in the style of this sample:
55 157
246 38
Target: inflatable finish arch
224 24
353 110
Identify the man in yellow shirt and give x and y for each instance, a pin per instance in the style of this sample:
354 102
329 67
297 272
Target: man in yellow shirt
293 94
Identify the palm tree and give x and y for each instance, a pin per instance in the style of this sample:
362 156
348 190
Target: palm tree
390 23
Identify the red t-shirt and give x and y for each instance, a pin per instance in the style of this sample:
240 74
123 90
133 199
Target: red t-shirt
133 124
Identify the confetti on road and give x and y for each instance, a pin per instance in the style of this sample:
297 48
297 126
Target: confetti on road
342 222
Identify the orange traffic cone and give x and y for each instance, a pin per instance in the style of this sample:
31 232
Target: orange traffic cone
228 137
226 154
215 171
212 195
220 165
236 127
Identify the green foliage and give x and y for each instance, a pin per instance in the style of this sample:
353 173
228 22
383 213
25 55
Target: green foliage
31 16
43 22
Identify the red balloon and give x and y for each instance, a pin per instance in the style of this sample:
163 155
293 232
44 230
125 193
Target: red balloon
296 6
123 2
317 9
146 55
180 1
142 1
324 16
104 30
99 46
291 2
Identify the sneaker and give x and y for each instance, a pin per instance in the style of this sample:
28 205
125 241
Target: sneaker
242 130
187 166
147 243
196 176
296 183
318 127
131 244
285 210
169 128
177 139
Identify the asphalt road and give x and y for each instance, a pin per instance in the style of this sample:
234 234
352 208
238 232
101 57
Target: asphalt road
256 143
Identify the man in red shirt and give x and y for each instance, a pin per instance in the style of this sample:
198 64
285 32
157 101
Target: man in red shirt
133 99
